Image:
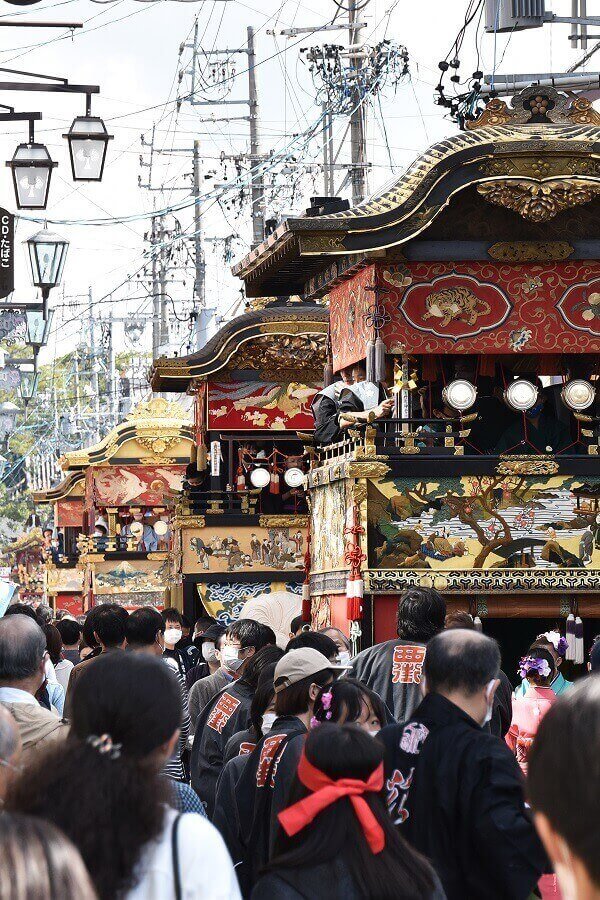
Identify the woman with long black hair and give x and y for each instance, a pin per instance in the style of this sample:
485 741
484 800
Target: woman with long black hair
336 839
103 788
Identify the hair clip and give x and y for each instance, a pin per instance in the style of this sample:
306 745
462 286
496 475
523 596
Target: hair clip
104 745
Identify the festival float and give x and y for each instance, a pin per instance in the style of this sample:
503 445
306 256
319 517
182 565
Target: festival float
240 534
115 507
470 288
64 526
25 565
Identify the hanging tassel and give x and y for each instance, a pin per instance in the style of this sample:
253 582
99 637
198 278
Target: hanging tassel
306 610
379 360
570 638
477 623
354 594
370 359
274 483
578 656
240 481
328 374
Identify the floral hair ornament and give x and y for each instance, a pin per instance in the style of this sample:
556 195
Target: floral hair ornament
533 664
326 700
104 745
325 792
558 642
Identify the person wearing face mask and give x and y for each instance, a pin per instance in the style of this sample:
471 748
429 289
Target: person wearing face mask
172 636
262 788
144 631
455 790
209 661
262 718
203 690
563 786
249 647
341 642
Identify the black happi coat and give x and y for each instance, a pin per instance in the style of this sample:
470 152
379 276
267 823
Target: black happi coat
227 713
393 670
261 792
456 792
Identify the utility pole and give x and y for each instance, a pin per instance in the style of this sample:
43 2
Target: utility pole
164 320
358 137
328 170
199 259
258 200
94 369
155 293
112 374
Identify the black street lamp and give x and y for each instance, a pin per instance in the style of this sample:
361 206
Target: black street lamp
47 255
88 142
38 328
29 382
31 170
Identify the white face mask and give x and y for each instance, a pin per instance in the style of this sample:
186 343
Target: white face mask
344 657
230 658
373 731
267 721
209 653
490 703
172 635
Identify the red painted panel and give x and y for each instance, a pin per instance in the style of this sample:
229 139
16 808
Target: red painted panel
385 608
247 405
137 485
69 513
476 307
72 603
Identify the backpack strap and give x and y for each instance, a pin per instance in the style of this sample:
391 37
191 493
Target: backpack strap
175 858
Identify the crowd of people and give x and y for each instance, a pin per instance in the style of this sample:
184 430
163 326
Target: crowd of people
144 758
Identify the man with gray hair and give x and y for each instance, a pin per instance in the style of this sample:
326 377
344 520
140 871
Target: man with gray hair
10 750
455 790
22 658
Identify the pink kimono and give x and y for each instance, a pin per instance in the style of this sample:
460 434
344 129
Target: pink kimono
527 713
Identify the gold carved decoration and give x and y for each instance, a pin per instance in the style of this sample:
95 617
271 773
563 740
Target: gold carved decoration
582 112
359 492
188 522
330 242
527 465
367 469
158 408
495 113
539 201
546 166
530 251
284 357
292 521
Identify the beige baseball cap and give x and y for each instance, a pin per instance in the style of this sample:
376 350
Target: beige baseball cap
299 664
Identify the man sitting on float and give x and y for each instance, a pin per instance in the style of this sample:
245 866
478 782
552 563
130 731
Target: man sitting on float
348 402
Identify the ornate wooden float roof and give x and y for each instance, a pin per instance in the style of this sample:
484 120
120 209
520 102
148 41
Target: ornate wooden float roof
281 337
155 427
70 486
536 158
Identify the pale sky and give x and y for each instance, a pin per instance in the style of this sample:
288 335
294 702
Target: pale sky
131 49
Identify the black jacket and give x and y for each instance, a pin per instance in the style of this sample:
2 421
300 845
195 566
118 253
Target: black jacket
261 792
456 792
331 880
227 713
393 670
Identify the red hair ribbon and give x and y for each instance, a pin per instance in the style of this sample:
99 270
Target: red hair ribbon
325 792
